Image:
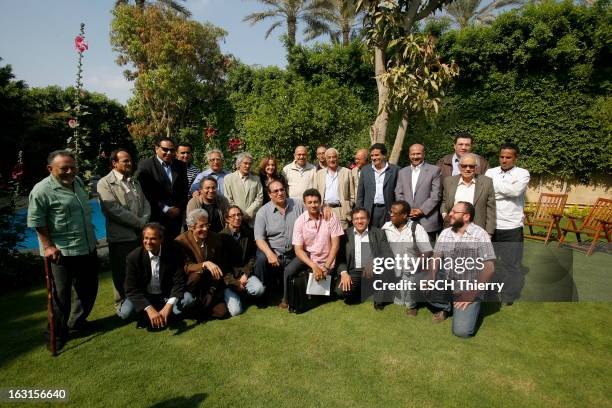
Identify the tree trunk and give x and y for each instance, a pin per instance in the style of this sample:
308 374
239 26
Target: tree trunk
399 139
346 36
378 131
291 29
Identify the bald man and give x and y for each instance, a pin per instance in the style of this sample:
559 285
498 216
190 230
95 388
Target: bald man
361 159
300 174
419 185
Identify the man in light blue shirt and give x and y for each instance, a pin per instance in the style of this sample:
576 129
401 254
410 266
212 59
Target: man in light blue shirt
215 169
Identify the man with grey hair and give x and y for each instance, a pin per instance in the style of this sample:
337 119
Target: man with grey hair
215 169
299 174
60 213
335 184
473 188
244 189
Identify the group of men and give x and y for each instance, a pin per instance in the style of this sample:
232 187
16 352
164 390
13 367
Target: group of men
183 241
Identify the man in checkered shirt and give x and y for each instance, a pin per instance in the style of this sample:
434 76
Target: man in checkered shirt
464 241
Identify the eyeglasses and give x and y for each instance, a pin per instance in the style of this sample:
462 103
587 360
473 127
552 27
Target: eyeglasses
458 212
468 166
202 227
184 153
167 149
278 190
239 215
216 159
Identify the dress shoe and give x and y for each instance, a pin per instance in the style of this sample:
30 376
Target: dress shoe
283 305
379 306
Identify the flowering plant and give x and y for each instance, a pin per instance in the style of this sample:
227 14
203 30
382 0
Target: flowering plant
234 145
73 123
80 44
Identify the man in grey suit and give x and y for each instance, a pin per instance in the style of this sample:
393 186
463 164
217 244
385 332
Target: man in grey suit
419 185
376 191
126 210
474 189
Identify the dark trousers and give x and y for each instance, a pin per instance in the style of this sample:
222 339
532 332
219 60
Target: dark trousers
353 296
509 251
293 268
380 215
117 252
270 276
82 273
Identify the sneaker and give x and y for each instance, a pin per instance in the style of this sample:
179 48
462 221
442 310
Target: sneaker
439 317
412 311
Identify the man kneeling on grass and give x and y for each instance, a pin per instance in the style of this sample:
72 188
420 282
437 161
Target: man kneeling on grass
154 281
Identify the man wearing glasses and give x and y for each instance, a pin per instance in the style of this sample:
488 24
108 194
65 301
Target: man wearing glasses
164 183
274 233
473 188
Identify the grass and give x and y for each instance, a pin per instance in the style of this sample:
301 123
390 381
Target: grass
529 354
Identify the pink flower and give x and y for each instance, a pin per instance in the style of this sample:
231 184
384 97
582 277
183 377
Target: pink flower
352 166
80 44
234 145
73 123
17 172
210 132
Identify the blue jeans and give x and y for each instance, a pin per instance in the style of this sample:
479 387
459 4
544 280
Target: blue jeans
254 288
126 309
464 321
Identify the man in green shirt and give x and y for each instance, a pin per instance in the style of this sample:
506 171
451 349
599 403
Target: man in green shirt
60 213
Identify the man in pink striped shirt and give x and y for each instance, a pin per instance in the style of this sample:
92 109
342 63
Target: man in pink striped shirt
315 240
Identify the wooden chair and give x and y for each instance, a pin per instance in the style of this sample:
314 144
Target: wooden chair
548 212
597 224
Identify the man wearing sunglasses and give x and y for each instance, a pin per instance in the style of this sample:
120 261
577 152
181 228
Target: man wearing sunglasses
473 188
164 183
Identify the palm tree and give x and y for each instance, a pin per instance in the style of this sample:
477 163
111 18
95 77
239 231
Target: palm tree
288 12
466 12
172 4
340 23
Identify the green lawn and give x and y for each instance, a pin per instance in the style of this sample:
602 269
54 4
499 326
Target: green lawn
529 354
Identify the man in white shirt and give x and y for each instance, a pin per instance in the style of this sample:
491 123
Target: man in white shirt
410 241
300 174
510 183
155 282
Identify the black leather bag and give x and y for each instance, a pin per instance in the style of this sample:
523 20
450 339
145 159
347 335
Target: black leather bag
299 301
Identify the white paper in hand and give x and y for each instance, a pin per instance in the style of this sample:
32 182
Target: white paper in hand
320 288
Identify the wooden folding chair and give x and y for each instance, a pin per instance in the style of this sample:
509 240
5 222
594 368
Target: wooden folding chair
547 214
597 224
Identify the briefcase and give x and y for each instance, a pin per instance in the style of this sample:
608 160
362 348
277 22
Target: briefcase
298 300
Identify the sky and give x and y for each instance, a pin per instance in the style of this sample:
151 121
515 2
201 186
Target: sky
37 40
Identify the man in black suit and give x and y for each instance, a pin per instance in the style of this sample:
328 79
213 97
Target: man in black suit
154 280
376 190
355 258
164 183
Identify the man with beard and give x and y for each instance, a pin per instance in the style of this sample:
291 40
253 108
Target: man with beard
464 255
126 210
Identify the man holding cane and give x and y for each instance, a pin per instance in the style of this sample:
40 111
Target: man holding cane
59 211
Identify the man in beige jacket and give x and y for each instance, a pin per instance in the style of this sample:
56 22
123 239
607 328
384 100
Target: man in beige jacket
244 189
126 210
335 184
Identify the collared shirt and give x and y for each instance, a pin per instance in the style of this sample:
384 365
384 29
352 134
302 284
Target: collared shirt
379 178
208 172
510 187
415 176
465 191
331 187
276 228
166 168
299 179
474 244
401 241
455 163
154 286
66 214
315 235
125 182
360 239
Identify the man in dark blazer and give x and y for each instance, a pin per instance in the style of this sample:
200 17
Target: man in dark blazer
164 183
473 188
449 164
154 280
376 190
419 185
355 258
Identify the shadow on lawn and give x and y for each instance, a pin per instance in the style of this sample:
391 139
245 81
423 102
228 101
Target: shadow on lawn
193 401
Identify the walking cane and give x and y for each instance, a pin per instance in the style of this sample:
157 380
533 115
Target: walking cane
50 315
